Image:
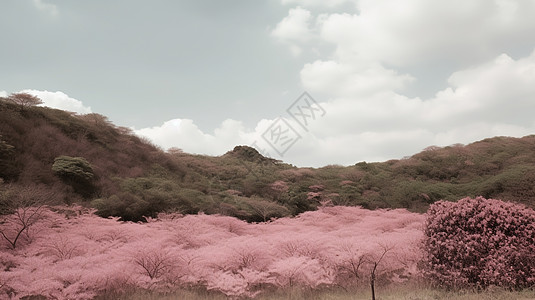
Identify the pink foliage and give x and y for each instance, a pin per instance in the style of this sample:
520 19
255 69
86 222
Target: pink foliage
76 255
279 186
316 187
480 242
346 182
300 270
313 195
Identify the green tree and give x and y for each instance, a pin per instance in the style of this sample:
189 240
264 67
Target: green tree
77 172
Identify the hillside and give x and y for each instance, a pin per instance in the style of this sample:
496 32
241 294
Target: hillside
52 156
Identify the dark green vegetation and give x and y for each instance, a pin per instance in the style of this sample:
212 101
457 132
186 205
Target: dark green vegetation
86 159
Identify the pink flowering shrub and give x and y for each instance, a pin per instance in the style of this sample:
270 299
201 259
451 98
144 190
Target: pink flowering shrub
480 242
74 254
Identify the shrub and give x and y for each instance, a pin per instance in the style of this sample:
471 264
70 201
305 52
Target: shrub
127 206
75 171
480 242
77 167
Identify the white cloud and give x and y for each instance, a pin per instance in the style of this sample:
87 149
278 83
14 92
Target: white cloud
401 33
60 100
339 79
294 29
3 94
184 134
364 81
501 90
46 7
413 32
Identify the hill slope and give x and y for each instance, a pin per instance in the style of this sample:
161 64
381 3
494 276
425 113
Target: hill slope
129 177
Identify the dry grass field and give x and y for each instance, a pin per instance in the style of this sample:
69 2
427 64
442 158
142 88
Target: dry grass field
391 293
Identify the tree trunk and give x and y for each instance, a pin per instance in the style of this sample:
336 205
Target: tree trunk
372 283
372 280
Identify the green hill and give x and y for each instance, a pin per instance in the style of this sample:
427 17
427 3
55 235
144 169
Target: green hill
49 155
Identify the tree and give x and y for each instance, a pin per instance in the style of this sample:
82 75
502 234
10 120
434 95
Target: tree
480 242
20 209
24 100
153 262
349 262
374 261
75 171
73 167
300 270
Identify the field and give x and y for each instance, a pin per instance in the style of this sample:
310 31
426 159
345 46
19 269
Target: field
333 253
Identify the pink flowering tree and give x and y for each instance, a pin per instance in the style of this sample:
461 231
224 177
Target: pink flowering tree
20 210
480 242
300 270
75 254
16 227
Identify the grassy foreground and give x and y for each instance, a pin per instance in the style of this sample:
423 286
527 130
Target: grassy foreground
397 293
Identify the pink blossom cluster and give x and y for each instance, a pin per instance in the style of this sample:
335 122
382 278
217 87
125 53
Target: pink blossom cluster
480 242
70 253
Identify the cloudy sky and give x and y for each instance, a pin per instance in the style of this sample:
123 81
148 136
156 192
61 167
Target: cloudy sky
385 78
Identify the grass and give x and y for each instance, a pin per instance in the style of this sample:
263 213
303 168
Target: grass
394 293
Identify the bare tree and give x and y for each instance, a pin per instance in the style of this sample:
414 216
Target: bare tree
20 209
353 260
374 261
154 263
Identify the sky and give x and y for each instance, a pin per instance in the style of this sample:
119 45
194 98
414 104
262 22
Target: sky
309 82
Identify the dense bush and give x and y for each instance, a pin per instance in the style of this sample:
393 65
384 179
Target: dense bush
73 167
75 171
480 242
